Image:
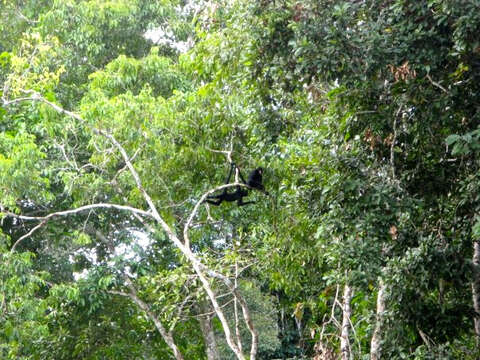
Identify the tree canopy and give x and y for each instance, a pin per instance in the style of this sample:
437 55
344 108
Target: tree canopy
118 119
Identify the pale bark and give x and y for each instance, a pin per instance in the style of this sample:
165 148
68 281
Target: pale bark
231 286
347 312
208 333
200 269
185 249
249 323
375 345
133 295
45 219
235 311
323 350
476 288
167 336
237 324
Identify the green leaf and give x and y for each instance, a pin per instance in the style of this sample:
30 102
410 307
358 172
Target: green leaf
452 139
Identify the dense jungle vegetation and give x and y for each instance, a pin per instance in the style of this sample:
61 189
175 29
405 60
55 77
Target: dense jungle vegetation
120 118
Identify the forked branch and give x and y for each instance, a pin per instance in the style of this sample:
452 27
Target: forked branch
44 219
199 268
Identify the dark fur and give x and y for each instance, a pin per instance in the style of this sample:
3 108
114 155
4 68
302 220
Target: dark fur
254 181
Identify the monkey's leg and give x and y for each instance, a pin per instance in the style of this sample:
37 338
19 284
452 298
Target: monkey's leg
240 202
215 203
232 166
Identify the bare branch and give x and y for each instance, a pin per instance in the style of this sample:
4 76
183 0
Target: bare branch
476 289
146 196
45 219
125 167
228 153
23 17
166 335
235 311
37 97
73 163
243 304
345 347
144 223
80 209
197 206
115 292
377 336
426 339
18 100
199 268
196 264
126 158
434 83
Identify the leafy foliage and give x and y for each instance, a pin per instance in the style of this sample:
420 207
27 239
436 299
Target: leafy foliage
365 115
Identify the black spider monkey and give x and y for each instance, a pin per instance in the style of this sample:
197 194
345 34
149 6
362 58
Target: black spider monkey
254 181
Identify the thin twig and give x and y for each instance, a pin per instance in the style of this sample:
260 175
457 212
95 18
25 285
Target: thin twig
73 163
434 83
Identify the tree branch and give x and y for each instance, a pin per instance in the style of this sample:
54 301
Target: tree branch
392 146
199 268
166 335
197 206
37 97
45 219
434 83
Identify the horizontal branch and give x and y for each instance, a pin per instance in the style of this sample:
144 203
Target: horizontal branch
80 209
197 206
182 246
18 100
37 97
121 293
46 218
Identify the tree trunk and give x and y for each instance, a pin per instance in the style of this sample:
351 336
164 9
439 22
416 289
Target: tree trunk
239 300
476 288
375 345
347 312
235 310
209 337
